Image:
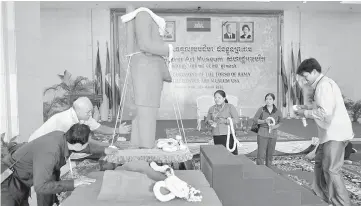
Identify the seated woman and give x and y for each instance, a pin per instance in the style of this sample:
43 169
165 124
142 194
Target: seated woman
217 118
267 134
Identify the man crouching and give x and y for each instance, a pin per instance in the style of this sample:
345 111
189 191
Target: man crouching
38 164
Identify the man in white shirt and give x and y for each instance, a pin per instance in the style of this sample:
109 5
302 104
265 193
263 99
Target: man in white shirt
334 132
80 112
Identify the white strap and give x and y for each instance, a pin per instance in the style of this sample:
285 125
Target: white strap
122 98
175 113
180 116
235 140
157 19
70 168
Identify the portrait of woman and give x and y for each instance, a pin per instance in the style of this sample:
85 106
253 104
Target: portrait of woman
247 32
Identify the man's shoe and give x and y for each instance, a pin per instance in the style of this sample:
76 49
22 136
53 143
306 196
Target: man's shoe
348 162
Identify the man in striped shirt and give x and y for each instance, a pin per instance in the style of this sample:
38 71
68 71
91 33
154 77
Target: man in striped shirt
334 132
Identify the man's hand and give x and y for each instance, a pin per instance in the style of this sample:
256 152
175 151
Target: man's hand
300 112
303 106
110 150
83 181
124 129
311 155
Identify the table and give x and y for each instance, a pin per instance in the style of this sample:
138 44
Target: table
88 195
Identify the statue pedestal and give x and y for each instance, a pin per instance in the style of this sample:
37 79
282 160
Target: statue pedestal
149 155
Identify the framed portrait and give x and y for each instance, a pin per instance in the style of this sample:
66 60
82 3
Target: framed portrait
246 31
170 31
229 31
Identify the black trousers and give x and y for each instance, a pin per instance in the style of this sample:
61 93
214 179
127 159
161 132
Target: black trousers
348 151
222 139
266 148
12 194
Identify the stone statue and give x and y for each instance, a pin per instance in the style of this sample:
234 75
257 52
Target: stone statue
148 70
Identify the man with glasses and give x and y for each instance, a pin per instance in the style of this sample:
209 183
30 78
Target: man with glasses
334 132
80 112
38 164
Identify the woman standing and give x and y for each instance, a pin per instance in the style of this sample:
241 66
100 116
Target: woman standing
267 134
217 118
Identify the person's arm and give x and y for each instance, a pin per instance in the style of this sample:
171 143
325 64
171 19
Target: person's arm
94 148
280 120
209 115
306 107
258 115
325 104
95 126
143 29
234 115
105 129
43 167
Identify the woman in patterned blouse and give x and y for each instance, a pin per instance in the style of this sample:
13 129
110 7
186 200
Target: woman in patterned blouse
267 135
217 118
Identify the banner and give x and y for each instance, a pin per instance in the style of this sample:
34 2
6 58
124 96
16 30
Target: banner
239 55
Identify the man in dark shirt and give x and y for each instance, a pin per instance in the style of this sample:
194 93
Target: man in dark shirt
39 162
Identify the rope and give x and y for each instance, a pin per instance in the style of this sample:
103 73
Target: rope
180 117
70 168
176 116
235 140
122 98
121 109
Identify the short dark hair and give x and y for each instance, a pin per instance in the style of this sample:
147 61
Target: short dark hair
271 95
308 65
245 26
78 133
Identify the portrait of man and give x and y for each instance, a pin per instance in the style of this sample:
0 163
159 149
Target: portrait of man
170 32
229 31
247 32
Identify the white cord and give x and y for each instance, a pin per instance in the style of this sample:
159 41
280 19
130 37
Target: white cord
180 118
176 116
122 98
70 168
235 140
